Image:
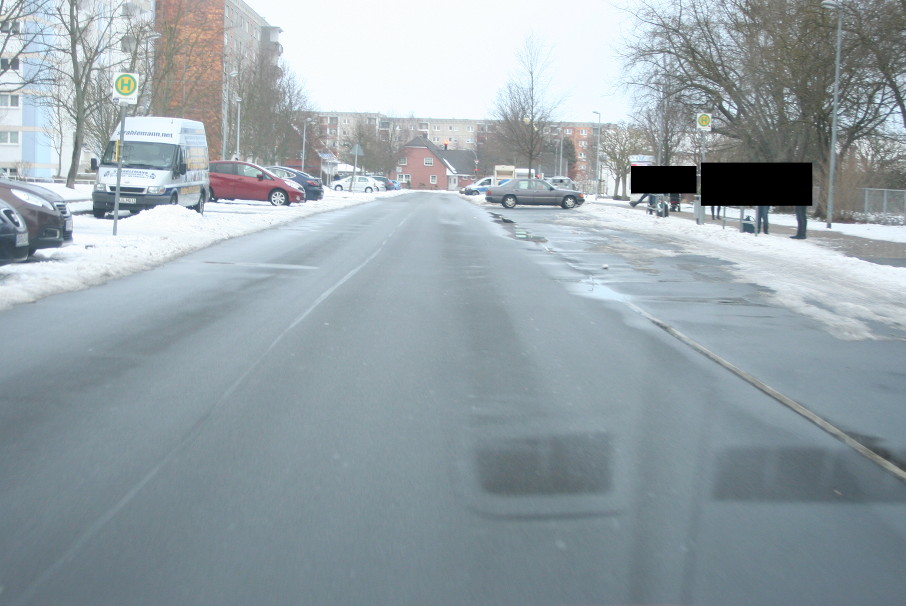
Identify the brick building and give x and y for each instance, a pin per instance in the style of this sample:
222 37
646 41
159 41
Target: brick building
427 166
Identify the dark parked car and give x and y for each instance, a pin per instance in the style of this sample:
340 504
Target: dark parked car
13 235
233 180
46 214
386 182
314 189
533 191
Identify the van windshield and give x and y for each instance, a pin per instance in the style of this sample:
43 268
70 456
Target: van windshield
140 154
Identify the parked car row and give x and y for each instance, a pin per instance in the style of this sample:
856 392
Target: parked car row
44 215
234 180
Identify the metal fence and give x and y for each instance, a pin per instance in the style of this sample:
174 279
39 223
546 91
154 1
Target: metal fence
884 203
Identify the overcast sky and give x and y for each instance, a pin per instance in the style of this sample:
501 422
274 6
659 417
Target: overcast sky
448 60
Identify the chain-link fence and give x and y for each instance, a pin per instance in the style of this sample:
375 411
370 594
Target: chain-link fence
886 206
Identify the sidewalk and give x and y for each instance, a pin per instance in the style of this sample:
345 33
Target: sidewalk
881 252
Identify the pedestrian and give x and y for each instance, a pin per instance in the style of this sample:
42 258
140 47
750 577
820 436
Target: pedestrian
761 219
718 212
801 222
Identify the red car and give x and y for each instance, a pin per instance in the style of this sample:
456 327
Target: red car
232 180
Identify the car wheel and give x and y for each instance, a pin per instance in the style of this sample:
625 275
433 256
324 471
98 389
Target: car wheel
99 213
278 197
199 208
368 190
508 201
338 188
569 202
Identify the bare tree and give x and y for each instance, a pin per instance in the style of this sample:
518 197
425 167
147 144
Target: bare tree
19 41
79 64
765 67
523 108
618 143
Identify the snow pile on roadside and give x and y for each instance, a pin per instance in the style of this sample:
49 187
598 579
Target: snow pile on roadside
146 240
846 294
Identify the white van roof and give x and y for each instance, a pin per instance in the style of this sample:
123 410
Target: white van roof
158 129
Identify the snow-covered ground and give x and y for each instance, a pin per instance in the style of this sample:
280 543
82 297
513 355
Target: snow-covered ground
145 240
848 295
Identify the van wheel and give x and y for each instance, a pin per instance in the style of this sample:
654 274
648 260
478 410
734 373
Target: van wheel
278 197
569 202
99 213
174 199
199 208
508 201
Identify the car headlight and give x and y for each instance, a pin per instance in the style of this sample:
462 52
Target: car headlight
32 199
157 189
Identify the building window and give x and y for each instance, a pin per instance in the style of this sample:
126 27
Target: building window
583 143
452 128
422 126
433 179
9 100
581 154
436 127
9 64
405 178
429 161
9 136
568 131
583 132
9 27
404 161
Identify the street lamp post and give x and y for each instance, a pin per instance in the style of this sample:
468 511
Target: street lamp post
598 157
304 133
834 5
226 117
238 124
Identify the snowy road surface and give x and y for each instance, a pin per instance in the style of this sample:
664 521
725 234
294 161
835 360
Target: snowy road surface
410 402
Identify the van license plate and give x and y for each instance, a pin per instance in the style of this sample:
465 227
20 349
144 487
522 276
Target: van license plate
22 239
127 200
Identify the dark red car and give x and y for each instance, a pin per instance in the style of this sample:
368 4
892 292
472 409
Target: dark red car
233 180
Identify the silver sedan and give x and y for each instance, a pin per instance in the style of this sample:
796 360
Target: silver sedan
533 191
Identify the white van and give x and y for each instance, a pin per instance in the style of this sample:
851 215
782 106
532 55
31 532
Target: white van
165 161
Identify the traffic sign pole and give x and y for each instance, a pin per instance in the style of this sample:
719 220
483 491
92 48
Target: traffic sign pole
119 167
125 92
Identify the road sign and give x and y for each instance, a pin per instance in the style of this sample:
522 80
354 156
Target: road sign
125 88
703 121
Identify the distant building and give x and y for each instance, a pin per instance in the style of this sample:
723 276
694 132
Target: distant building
424 165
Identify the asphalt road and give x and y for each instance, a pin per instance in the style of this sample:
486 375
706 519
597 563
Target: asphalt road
407 402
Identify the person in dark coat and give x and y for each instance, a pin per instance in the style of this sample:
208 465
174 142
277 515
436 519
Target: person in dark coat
761 219
801 222
718 212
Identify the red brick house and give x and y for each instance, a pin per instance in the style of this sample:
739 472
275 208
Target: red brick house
427 166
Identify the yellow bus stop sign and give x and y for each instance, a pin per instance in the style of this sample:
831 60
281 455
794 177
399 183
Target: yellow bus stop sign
125 88
703 121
